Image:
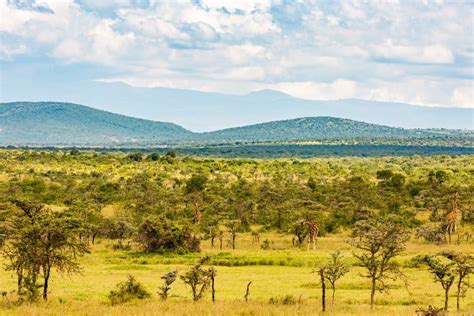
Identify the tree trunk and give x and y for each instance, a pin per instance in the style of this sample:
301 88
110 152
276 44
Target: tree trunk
323 289
458 294
247 292
372 293
446 297
20 280
212 287
333 295
47 271
94 235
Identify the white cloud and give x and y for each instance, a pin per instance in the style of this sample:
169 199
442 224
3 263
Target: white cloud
339 89
385 50
434 54
420 91
464 96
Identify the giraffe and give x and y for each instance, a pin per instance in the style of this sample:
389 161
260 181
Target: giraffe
451 218
197 217
313 232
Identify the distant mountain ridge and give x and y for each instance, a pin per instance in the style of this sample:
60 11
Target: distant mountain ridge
67 124
210 111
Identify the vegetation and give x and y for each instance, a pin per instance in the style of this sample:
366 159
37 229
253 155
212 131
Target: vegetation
379 241
334 269
168 279
127 291
65 124
109 215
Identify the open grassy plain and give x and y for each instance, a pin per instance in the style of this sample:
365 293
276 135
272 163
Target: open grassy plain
276 272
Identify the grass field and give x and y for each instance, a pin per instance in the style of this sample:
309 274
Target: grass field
282 270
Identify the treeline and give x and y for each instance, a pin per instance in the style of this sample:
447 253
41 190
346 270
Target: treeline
287 150
202 193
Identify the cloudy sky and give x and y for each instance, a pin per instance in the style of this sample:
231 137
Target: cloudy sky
419 52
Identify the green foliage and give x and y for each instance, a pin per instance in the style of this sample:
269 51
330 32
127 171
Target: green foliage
159 234
199 278
38 240
334 269
127 291
284 300
168 279
378 242
196 183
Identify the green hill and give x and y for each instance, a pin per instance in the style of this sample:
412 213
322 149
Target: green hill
309 128
66 124
53 123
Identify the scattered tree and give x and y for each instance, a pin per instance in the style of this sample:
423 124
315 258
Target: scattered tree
443 273
463 267
168 279
233 227
199 278
333 270
38 241
379 240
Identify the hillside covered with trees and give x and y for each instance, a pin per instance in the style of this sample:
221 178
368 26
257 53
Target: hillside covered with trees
65 124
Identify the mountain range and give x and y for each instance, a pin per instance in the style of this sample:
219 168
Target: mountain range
67 124
208 111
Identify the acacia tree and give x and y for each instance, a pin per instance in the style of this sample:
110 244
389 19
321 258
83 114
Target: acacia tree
168 279
331 271
463 267
40 240
199 279
378 241
443 273
233 227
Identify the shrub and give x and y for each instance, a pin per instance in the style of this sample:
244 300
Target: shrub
431 234
284 300
159 234
265 245
127 291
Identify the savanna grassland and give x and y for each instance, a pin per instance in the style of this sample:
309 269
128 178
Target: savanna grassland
148 214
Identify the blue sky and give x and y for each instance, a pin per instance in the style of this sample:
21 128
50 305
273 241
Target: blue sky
418 52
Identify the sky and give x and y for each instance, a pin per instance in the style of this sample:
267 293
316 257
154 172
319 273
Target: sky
418 52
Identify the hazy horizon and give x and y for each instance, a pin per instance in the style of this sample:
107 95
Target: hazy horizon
411 52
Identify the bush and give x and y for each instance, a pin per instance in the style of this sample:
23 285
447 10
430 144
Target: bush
284 300
127 291
159 234
432 234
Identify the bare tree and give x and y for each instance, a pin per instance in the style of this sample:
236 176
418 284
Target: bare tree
247 291
379 241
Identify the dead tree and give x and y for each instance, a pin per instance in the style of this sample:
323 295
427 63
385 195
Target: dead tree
247 292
